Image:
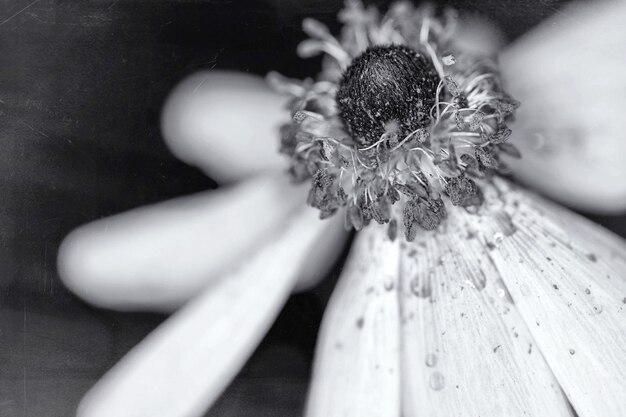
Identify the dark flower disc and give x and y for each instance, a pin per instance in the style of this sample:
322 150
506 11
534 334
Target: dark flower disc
386 86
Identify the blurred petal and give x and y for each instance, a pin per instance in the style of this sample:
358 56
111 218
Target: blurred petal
159 256
465 349
568 75
567 280
356 371
182 367
324 254
225 123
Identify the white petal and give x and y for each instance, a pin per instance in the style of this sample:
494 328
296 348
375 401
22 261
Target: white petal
606 245
568 75
356 371
324 253
568 282
181 368
225 123
465 349
159 256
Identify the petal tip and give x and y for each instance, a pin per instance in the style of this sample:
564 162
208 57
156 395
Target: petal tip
226 123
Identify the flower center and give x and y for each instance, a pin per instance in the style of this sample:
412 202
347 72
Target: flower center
386 87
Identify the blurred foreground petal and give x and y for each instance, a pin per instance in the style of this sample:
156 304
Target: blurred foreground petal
157 257
569 76
181 368
465 348
327 249
567 278
357 366
225 123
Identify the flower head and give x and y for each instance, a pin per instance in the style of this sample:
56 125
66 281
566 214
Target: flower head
409 121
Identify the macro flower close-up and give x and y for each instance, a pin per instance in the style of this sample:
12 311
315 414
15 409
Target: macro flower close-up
469 290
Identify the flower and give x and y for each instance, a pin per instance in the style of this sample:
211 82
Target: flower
495 302
386 126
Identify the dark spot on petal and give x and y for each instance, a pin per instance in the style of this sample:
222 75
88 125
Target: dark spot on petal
359 322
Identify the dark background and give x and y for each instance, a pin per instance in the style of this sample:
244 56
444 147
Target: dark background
81 87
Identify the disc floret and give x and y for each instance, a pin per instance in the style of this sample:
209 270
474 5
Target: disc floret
398 129
387 89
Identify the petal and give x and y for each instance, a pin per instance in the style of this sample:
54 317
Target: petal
324 254
225 123
157 257
182 367
465 349
568 282
568 75
356 370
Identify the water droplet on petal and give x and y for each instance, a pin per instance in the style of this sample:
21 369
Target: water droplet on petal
421 287
502 291
437 382
431 360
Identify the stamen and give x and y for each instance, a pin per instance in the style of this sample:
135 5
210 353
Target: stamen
374 145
